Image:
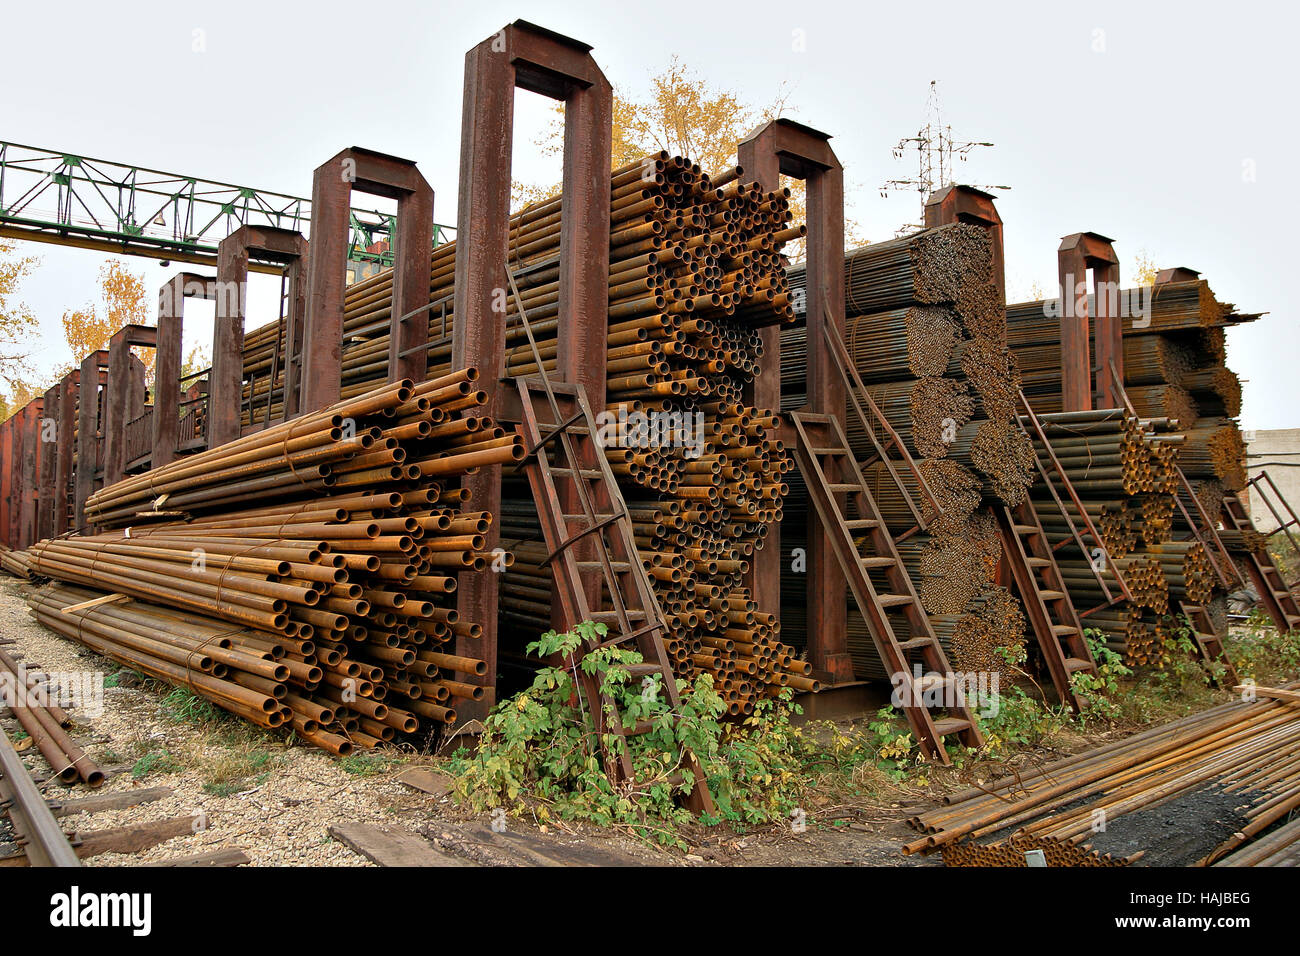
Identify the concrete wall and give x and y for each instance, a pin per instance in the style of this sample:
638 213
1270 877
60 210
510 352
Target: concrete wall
1276 451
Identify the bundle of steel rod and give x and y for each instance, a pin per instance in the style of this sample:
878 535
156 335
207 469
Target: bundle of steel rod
926 330
347 565
1247 754
35 705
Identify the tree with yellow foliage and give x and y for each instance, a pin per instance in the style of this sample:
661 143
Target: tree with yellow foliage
89 328
1145 269
17 321
686 117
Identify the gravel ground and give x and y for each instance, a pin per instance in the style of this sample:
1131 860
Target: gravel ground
278 813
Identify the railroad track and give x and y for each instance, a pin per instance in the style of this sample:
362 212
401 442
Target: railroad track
40 840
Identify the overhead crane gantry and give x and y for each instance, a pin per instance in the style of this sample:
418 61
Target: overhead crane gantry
47 195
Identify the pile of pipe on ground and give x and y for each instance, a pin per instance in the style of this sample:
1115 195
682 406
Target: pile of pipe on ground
696 267
320 553
32 701
925 327
1238 765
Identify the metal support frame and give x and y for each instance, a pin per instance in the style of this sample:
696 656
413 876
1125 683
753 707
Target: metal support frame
782 147
974 206
47 437
6 478
31 450
126 391
523 55
322 343
94 368
66 449
227 381
167 370
1079 252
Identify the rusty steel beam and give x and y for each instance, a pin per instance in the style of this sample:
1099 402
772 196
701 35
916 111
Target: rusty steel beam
63 468
525 56
124 400
332 185
47 437
783 147
93 370
284 246
6 479
31 419
974 206
167 370
1079 252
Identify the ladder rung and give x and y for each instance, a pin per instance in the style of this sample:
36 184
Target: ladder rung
893 600
878 562
1049 595
951 725
842 487
1037 562
914 642
1073 664
644 670
582 472
927 682
1026 529
842 452
615 566
613 615
858 524
1060 630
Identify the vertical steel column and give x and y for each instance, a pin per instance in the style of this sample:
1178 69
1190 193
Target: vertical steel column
167 371
63 470
784 147
226 384
47 438
532 58
6 481
87 433
974 206
332 185
225 392
31 456
1078 253
115 408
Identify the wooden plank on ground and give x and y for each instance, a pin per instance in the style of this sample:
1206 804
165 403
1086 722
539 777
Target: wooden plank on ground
226 856
535 849
133 839
426 781
111 801
389 845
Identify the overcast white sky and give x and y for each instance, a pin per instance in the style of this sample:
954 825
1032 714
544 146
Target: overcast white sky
1136 120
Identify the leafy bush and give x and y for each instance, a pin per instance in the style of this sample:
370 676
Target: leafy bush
539 751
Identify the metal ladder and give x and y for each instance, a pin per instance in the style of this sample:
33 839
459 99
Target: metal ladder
1277 598
1283 524
1208 641
870 417
821 446
1052 615
557 420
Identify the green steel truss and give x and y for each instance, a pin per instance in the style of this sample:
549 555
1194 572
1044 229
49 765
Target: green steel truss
51 196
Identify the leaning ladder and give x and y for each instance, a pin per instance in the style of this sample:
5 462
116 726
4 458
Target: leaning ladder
823 453
566 463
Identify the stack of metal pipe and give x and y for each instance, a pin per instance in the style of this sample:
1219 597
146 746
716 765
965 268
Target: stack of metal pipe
1248 752
34 703
331 542
695 268
925 327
